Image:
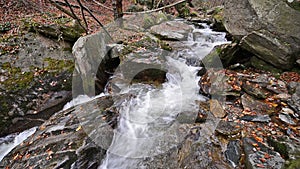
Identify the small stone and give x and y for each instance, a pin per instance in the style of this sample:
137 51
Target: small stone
255 105
292 87
286 110
228 128
201 72
278 87
283 96
233 152
257 118
253 155
298 62
11 112
217 109
286 118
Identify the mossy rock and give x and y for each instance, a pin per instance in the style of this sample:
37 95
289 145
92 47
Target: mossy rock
262 65
218 20
295 4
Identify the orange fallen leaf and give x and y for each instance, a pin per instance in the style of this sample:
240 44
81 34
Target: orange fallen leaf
260 165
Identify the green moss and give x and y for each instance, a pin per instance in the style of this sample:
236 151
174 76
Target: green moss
17 79
279 147
295 164
165 46
160 17
55 65
295 5
148 22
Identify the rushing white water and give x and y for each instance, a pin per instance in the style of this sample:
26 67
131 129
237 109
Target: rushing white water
11 141
80 99
147 125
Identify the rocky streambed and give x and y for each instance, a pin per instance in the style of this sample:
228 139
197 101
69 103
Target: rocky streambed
238 117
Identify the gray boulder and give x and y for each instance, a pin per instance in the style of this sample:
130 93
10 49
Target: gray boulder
172 30
270 29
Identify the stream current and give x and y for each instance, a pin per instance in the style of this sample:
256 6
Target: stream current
147 123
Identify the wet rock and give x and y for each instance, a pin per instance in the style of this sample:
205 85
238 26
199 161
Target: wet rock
145 66
37 81
286 118
283 96
69 139
204 111
228 128
262 65
187 117
191 155
215 84
294 102
91 58
264 45
277 87
233 153
257 106
202 71
171 30
298 62
257 118
258 155
229 54
201 117
68 33
292 87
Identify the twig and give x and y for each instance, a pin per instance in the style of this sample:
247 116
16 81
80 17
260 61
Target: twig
73 6
72 11
62 9
98 3
158 3
64 4
155 10
82 13
89 11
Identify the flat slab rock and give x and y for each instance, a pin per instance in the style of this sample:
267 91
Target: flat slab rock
171 30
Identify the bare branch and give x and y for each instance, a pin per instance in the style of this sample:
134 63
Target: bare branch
62 9
72 11
93 16
155 10
82 13
98 3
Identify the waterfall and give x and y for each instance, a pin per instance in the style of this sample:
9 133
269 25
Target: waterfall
147 123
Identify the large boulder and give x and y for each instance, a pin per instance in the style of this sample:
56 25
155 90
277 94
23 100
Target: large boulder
35 80
63 141
270 29
172 30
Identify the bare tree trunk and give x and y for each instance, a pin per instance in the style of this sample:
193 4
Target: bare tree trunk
118 12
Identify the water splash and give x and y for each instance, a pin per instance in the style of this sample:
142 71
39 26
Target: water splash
11 141
147 125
